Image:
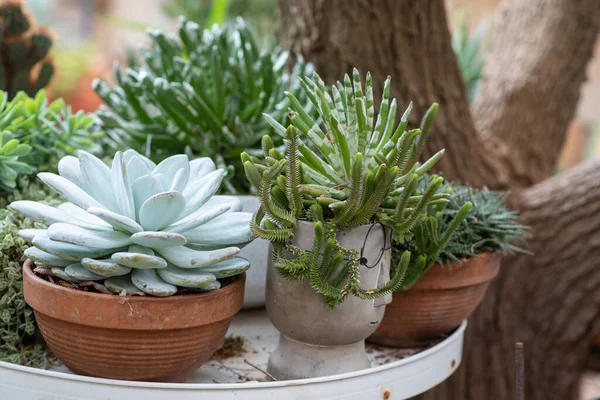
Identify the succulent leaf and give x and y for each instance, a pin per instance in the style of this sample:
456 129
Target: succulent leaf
160 228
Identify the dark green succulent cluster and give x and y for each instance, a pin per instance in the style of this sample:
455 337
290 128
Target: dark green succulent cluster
23 50
203 91
490 226
354 169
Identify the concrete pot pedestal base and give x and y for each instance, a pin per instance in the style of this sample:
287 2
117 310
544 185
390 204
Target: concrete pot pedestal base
303 360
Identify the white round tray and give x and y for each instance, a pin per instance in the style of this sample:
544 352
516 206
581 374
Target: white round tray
393 375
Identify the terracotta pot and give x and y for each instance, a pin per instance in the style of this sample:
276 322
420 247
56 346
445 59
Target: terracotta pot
134 338
437 303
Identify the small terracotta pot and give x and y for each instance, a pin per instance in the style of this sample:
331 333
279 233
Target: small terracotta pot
139 338
437 303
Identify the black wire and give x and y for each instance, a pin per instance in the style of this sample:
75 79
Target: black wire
363 260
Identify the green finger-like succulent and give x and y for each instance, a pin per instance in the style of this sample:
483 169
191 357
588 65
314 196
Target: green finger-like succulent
156 227
346 168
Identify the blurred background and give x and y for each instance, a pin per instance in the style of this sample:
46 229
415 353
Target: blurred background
90 34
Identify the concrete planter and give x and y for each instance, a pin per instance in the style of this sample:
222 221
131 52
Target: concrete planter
315 339
257 252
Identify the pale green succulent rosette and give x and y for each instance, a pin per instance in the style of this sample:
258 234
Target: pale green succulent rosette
139 226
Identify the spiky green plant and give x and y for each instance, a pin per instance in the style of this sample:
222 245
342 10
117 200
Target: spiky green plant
203 92
24 61
452 232
490 226
355 169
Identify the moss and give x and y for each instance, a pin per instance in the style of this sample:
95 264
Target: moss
18 331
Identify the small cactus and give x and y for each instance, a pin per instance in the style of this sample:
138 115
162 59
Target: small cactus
24 61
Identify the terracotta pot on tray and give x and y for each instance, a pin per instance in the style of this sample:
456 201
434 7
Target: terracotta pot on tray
437 303
139 338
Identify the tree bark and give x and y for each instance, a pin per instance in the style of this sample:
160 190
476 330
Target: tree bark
511 141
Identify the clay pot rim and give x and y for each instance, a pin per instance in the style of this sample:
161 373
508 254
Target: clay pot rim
462 273
208 300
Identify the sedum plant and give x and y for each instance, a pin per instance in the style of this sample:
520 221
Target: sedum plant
354 169
25 64
49 130
138 226
17 323
10 165
202 91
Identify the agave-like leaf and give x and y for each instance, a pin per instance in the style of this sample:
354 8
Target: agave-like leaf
183 277
38 212
200 217
136 167
180 180
185 257
201 190
105 267
121 187
233 201
143 188
157 240
29 234
160 210
78 272
69 168
118 221
68 251
121 285
224 269
169 167
163 181
139 257
63 232
129 154
77 213
94 171
227 229
208 288
60 273
40 256
69 190
148 281
201 167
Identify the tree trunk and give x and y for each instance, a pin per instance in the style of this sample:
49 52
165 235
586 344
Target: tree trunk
510 141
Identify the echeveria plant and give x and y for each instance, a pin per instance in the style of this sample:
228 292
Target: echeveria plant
138 226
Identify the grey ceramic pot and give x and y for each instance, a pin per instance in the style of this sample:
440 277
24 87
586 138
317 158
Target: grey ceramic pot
315 339
257 252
